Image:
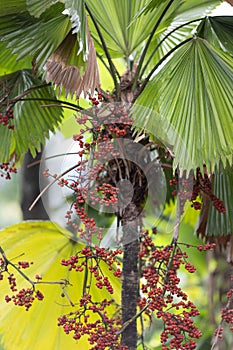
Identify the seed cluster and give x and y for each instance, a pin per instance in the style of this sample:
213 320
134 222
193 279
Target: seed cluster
92 183
189 189
6 169
102 333
163 296
7 118
226 314
20 297
25 297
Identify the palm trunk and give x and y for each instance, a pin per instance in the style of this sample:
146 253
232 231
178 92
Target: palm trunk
130 279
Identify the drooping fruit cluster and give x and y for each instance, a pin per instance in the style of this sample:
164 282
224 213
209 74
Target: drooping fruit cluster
7 118
91 257
101 329
100 320
6 169
23 297
226 315
163 296
189 189
203 184
95 181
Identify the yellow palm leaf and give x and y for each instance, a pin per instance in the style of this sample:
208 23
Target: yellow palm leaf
46 244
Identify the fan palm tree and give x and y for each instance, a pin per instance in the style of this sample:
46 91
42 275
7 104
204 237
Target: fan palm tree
176 81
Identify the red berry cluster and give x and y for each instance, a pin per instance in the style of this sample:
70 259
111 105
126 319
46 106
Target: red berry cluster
219 332
174 183
94 188
6 118
204 184
90 228
90 258
207 246
12 282
95 100
3 268
185 189
6 170
102 332
25 297
226 315
163 296
192 187
24 264
83 119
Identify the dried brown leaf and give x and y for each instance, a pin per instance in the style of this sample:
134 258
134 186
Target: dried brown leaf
68 76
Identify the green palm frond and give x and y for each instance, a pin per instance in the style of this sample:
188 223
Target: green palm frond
218 31
37 7
186 8
31 123
123 32
191 97
177 25
75 9
164 42
9 62
193 9
219 224
12 6
25 35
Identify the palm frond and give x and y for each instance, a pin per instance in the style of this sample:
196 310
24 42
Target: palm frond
185 17
218 31
37 7
123 32
192 98
9 62
193 9
31 123
184 8
25 35
75 9
222 224
12 6
165 41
